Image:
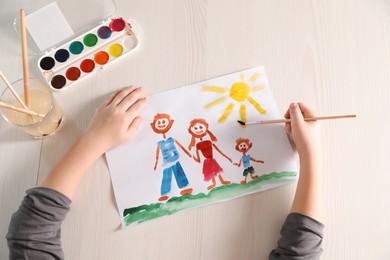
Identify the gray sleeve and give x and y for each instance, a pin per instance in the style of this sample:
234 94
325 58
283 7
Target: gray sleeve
35 228
301 238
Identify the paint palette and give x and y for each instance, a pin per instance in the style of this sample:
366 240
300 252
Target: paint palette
80 57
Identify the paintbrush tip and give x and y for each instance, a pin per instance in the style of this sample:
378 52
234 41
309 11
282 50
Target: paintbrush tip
241 122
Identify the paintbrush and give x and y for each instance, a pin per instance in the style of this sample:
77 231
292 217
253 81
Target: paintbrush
9 86
18 109
25 59
277 121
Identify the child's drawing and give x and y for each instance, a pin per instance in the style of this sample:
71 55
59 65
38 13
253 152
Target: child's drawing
239 92
182 156
161 125
199 129
243 145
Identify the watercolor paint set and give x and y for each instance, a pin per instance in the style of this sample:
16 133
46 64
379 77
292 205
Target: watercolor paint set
85 54
68 51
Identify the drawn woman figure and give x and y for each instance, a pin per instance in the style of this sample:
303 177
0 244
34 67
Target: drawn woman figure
199 129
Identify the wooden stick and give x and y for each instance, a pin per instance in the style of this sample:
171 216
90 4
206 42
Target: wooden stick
22 110
25 59
277 121
12 90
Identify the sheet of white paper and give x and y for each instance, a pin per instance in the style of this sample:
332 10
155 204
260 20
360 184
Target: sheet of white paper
48 26
137 186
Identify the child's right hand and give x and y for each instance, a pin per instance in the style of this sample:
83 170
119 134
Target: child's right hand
306 135
116 120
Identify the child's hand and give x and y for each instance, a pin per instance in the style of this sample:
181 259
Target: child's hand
304 134
116 120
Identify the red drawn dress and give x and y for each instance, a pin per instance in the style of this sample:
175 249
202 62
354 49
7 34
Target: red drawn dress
210 166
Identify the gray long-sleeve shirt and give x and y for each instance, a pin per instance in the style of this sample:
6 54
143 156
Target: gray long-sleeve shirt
35 230
301 239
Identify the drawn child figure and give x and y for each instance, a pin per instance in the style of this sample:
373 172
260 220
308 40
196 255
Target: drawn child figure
243 145
199 128
161 124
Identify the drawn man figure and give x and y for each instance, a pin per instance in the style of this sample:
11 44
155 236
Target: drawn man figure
243 145
161 124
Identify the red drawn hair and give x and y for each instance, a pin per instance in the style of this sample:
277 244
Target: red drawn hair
160 116
194 135
243 140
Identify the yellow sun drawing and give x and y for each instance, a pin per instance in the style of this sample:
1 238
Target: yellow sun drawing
239 92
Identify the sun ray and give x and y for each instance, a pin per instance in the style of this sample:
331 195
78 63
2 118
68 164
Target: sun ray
254 76
226 113
216 89
258 87
238 93
243 114
215 102
257 105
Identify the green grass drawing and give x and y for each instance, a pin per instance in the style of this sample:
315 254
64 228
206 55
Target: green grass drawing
147 212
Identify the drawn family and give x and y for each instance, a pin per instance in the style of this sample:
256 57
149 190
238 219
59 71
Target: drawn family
199 130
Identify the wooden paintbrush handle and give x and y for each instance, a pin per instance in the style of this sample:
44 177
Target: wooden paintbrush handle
25 60
22 110
265 122
9 86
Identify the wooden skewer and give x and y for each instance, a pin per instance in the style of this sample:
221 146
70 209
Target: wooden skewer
277 121
25 59
22 110
13 90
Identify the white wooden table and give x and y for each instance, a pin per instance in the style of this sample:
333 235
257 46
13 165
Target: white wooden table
334 55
